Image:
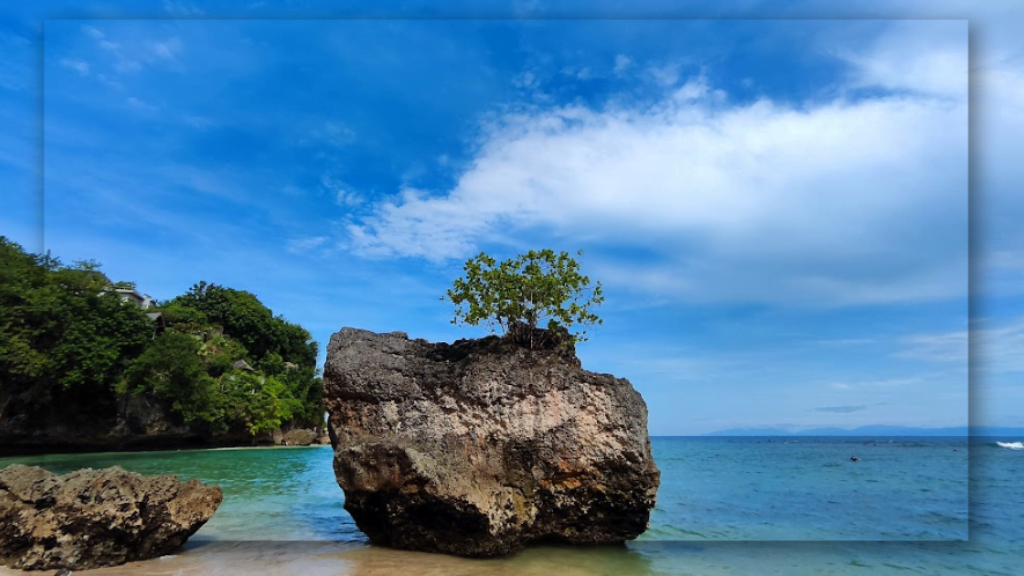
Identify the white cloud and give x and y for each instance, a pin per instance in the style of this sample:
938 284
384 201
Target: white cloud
348 198
342 194
199 122
695 89
166 50
526 79
920 56
881 382
135 55
330 133
127 65
836 203
1001 348
621 63
666 75
110 82
843 342
140 105
303 245
944 347
182 9
77 65
100 38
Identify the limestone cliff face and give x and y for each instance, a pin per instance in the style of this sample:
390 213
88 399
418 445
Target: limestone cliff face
93 518
481 447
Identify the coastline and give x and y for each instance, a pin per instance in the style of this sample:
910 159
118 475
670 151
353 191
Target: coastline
37 459
19 448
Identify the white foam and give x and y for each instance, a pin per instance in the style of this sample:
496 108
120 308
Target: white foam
1011 445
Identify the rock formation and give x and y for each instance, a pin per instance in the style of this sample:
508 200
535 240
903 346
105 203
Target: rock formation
483 446
92 518
299 437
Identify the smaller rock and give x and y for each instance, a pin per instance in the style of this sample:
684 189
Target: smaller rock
299 437
94 518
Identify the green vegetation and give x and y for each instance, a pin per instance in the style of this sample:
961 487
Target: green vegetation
216 357
519 294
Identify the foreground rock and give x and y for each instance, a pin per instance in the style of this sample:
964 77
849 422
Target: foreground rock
93 518
481 447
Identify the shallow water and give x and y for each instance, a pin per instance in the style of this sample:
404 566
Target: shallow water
285 502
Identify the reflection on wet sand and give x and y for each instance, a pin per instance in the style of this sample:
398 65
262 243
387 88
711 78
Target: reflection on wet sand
221 558
535 561
352 559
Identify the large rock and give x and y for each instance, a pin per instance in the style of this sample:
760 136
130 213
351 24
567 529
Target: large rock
483 446
299 437
93 518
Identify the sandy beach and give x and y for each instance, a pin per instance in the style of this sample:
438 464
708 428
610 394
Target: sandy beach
351 559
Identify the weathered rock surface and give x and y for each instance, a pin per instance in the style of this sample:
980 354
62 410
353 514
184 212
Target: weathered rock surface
299 437
92 518
480 447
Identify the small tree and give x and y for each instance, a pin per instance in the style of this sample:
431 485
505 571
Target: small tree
520 294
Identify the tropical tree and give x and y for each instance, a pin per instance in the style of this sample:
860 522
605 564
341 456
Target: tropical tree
172 369
71 350
521 294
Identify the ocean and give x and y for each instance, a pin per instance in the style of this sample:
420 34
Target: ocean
726 505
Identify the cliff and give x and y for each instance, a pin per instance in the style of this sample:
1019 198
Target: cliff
132 422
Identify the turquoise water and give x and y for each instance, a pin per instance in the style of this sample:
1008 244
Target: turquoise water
733 488
713 489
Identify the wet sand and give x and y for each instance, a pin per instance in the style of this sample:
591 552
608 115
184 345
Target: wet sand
354 559
213 558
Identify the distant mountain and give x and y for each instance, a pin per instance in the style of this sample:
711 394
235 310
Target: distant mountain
877 430
886 431
752 432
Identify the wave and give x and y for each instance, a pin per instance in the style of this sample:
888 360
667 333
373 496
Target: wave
1011 445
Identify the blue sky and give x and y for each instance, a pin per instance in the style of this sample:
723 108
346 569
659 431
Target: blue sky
777 209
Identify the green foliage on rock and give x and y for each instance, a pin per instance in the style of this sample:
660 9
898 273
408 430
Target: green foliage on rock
172 370
519 295
70 345
242 315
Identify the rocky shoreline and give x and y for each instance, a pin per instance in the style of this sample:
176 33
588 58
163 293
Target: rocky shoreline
139 424
63 441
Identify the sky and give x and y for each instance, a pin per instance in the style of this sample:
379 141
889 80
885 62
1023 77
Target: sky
796 218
